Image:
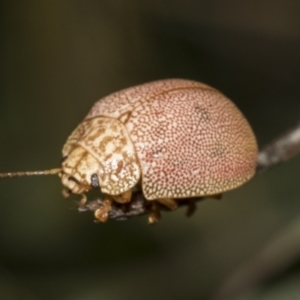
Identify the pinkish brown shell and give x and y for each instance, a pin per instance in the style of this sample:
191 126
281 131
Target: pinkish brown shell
190 139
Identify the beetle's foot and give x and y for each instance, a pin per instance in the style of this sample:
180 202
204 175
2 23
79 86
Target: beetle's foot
66 193
169 203
154 213
83 200
191 207
124 197
102 213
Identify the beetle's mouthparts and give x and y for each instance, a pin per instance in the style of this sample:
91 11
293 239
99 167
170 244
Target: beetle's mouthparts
73 184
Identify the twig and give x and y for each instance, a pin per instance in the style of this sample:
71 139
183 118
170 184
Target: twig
280 150
136 207
275 257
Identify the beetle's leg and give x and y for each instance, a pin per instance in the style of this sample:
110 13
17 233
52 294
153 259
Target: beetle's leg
124 197
66 193
102 213
191 207
216 197
83 200
168 202
154 214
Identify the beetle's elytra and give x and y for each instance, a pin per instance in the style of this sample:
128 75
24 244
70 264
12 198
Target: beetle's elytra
171 138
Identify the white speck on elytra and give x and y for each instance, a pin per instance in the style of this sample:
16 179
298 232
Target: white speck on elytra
114 178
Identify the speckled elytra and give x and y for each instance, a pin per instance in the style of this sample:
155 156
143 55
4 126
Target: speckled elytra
172 138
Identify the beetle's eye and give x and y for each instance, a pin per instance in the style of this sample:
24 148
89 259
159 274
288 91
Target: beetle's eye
73 179
63 159
94 181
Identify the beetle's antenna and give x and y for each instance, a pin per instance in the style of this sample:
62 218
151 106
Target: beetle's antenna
30 173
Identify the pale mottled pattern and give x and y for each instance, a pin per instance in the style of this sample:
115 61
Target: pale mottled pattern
101 146
77 133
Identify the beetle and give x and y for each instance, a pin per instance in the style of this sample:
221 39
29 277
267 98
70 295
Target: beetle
173 139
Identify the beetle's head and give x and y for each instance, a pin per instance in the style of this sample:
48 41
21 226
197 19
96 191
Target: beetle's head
79 171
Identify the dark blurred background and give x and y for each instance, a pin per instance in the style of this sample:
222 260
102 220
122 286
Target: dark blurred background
57 58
